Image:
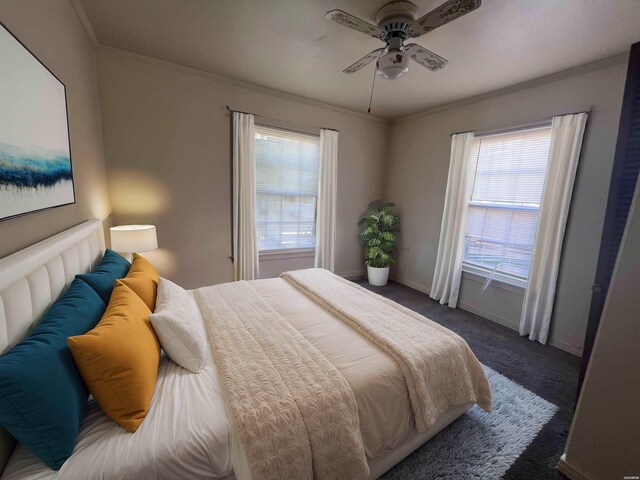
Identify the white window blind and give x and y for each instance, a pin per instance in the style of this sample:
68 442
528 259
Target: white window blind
510 170
286 188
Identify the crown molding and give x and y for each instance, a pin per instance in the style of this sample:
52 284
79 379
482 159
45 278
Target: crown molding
554 77
84 20
238 83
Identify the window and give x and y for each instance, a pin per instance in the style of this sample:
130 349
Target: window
287 166
510 170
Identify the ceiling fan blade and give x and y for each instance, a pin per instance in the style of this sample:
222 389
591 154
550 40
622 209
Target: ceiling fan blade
347 20
425 57
445 13
364 61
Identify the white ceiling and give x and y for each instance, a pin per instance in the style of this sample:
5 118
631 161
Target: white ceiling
287 45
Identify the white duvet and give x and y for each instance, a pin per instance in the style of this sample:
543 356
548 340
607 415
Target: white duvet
185 435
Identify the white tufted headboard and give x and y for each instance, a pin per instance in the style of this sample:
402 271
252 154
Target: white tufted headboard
33 278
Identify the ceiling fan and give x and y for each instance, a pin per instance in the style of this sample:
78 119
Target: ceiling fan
397 22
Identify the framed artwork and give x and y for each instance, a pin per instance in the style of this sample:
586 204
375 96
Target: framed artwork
35 153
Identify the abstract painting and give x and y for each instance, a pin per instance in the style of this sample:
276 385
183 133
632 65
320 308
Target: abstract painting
35 156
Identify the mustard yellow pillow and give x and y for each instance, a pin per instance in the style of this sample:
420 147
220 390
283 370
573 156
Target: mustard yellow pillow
143 280
118 360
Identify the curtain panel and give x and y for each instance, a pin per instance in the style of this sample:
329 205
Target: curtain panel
245 246
446 278
567 132
327 198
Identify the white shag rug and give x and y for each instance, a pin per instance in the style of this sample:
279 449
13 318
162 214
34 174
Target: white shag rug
481 445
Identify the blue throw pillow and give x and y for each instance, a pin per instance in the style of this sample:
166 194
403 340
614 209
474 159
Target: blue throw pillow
42 395
103 278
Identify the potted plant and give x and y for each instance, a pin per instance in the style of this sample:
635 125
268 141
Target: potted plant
379 229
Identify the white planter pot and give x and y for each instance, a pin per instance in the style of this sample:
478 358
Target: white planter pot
377 276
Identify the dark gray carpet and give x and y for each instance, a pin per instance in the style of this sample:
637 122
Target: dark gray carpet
547 371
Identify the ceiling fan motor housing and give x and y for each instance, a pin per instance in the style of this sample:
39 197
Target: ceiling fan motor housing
396 18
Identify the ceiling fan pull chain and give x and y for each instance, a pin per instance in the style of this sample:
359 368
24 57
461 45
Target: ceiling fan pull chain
373 84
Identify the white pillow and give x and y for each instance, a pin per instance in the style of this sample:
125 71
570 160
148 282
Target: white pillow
168 292
179 326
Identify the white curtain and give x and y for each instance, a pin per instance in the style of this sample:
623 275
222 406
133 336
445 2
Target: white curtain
446 278
566 141
245 246
327 193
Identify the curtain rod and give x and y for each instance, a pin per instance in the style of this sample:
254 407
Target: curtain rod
278 120
518 127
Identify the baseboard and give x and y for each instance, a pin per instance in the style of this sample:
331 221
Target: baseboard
410 284
490 316
572 349
506 323
570 471
463 306
353 275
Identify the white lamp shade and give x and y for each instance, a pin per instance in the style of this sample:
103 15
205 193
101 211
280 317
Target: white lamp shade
133 238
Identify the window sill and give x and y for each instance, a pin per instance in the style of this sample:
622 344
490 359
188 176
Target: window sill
271 255
501 280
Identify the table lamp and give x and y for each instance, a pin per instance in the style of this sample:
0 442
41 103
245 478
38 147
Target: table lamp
130 239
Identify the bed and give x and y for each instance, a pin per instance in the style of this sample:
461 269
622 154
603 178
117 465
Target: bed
188 432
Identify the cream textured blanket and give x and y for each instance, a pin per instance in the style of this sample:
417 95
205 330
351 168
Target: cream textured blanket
294 413
439 368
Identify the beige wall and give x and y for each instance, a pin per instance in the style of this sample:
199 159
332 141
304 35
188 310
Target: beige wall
168 151
52 31
417 179
604 441
167 143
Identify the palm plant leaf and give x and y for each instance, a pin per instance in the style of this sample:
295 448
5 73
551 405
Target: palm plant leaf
379 230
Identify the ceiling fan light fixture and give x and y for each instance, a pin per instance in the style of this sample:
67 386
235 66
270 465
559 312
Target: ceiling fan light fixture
393 65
